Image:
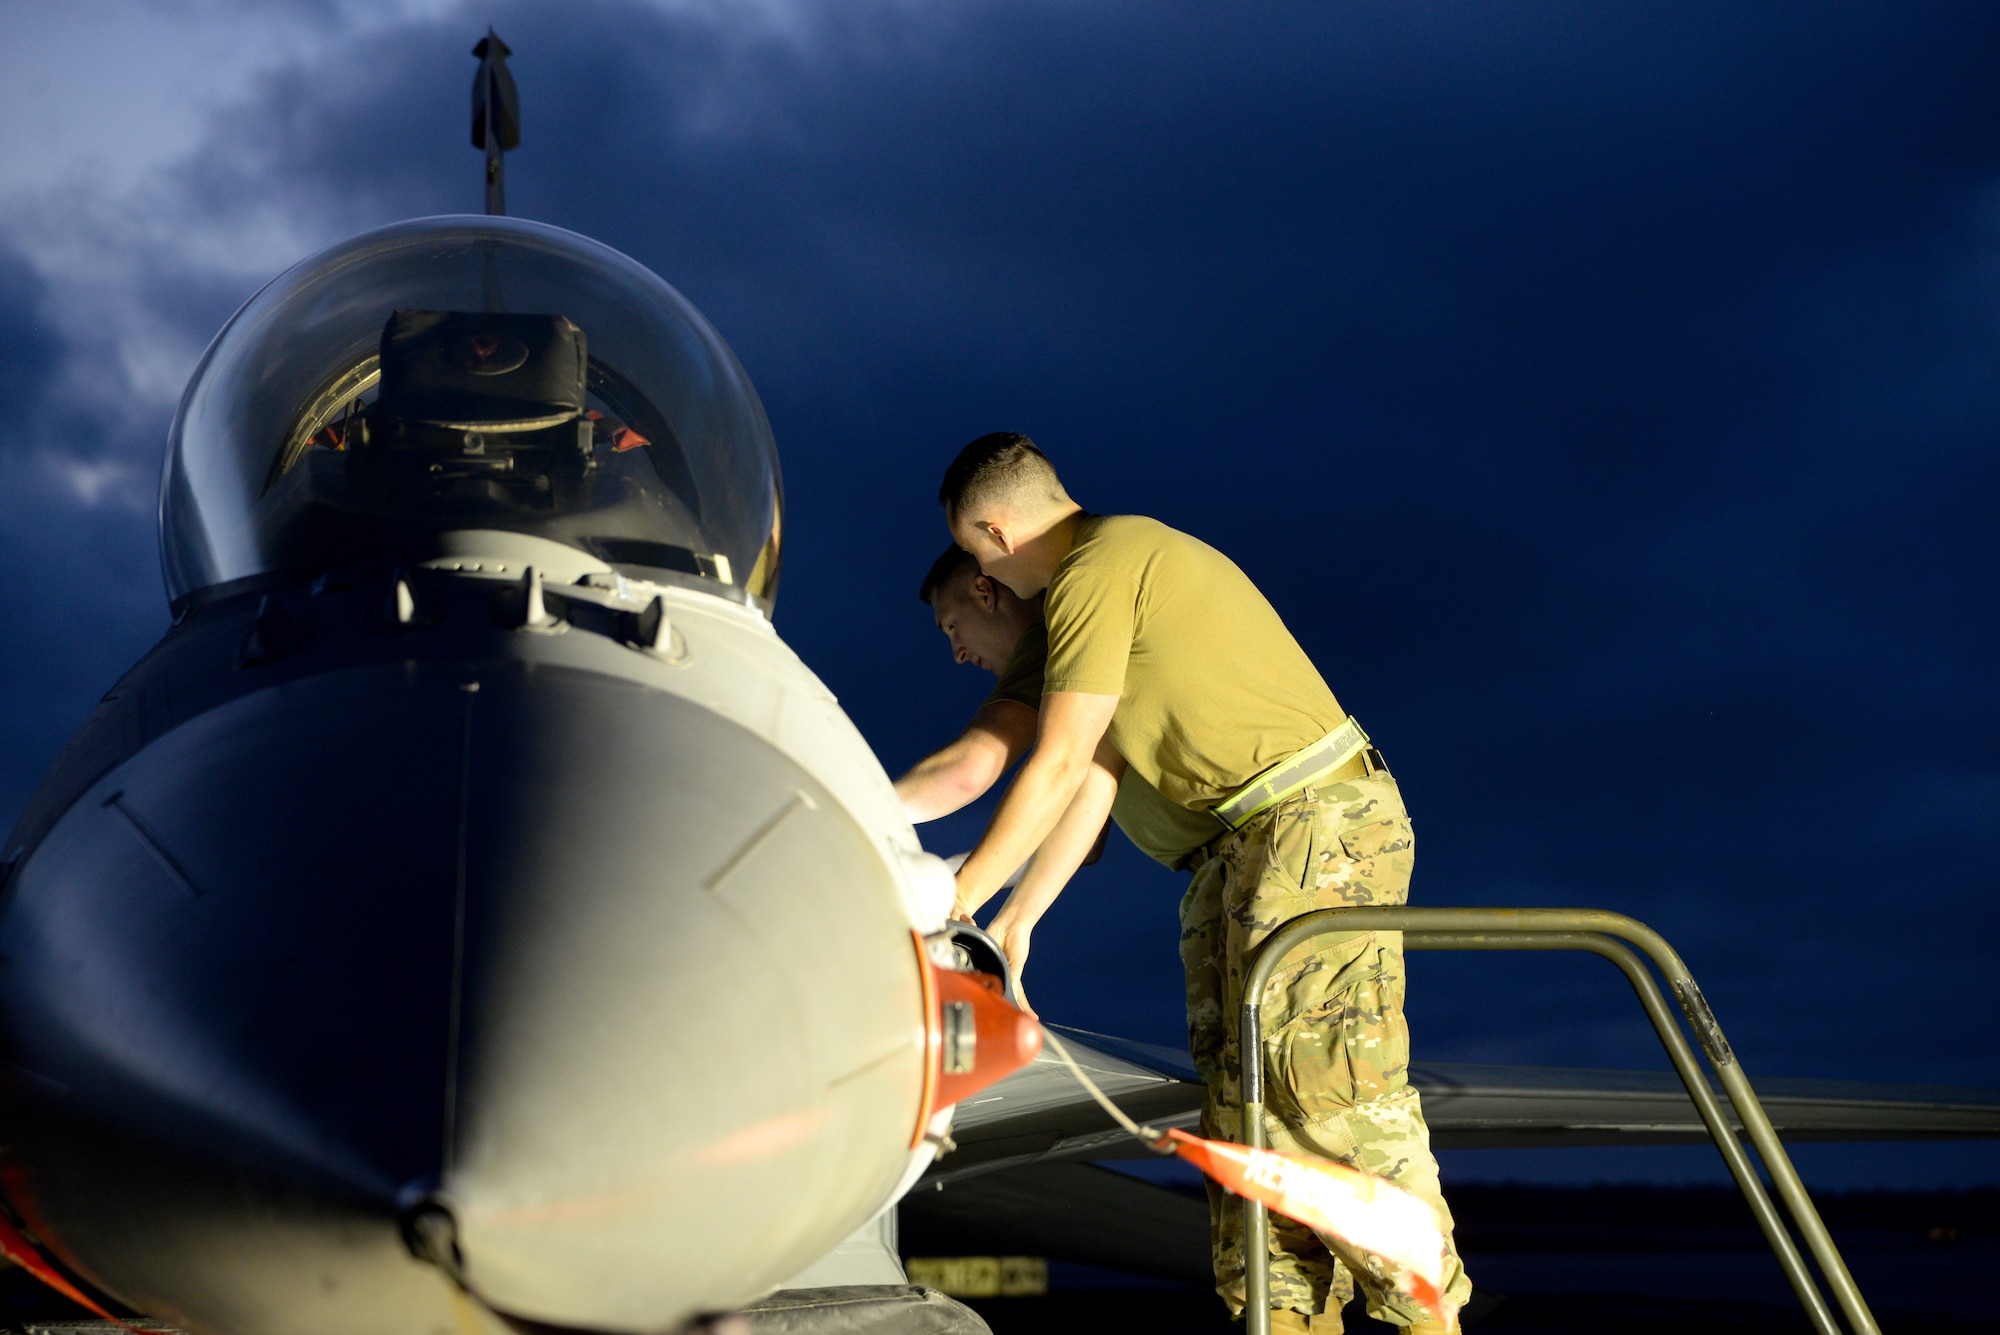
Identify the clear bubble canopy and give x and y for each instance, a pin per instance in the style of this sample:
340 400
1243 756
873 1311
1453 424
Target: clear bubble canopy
470 373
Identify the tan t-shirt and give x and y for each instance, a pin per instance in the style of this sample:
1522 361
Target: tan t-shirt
1021 680
1212 689
1164 831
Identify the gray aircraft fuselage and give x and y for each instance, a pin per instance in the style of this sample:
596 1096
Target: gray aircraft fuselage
470 925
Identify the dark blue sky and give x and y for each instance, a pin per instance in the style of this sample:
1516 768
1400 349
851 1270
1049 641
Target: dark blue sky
1605 395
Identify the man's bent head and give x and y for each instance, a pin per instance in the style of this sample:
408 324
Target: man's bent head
981 617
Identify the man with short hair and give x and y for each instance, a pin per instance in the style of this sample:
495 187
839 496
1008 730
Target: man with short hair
990 627
1159 644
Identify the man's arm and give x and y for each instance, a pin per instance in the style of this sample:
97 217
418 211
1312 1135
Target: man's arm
946 780
1072 724
1077 839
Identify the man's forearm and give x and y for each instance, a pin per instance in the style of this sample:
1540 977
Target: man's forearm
1026 816
948 779
1060 855
944 781
1072 726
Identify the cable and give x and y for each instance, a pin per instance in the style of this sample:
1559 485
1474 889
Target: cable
1154 1140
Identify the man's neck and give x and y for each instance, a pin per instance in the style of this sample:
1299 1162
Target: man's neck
1053 544
1062 537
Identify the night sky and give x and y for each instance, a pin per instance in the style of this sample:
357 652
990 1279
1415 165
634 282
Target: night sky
1606 396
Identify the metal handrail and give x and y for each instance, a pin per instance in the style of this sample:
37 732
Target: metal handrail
1600 933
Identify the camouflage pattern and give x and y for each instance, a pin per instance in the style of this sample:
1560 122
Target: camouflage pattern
1336 1043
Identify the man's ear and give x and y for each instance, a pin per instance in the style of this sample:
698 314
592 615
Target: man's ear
986 593
1000 536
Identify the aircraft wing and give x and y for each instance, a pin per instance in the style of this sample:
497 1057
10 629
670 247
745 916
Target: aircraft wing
1476 1107
1040 1113
1022 1178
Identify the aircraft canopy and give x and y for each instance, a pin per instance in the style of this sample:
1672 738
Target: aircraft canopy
470 373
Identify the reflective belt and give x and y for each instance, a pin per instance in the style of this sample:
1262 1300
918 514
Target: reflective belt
1287 777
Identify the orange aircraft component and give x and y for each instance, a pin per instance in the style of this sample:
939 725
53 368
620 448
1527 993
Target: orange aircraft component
623 438
1365 1211
973 1036
14 1245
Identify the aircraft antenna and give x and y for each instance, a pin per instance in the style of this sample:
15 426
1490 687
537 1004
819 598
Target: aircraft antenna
496 115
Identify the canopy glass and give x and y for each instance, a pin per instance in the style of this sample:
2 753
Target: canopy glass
470 373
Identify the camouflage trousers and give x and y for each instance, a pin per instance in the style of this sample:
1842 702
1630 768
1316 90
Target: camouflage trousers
1336 1043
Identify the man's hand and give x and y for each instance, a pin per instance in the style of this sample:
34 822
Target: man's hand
1013 938
959 911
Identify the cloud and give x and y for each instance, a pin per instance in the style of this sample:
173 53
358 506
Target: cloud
1604 397
29 349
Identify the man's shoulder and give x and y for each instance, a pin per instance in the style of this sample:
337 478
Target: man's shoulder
1116 531
1136 548
1122 543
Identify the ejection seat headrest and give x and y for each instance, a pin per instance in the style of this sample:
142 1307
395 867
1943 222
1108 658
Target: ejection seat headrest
477 371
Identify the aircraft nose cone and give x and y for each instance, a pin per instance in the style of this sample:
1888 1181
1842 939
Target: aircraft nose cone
609 977
690 1029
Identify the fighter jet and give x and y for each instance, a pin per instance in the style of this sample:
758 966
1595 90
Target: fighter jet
471 915
471 911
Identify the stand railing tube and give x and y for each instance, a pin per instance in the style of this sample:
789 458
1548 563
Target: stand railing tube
1599 933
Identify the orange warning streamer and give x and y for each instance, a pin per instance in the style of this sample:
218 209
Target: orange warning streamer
16 1247
1363 1210
1366 1212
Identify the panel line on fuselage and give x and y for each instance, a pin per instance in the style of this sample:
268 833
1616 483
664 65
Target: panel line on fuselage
159 850
757 837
